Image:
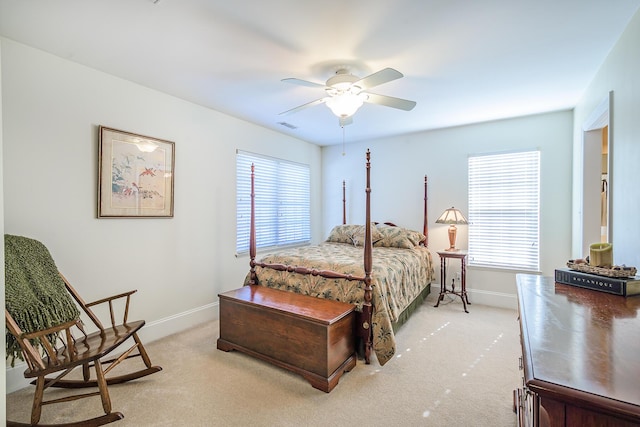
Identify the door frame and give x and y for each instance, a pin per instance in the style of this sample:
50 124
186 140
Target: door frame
591 150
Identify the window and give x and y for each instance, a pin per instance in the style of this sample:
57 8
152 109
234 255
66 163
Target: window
504 210
282 202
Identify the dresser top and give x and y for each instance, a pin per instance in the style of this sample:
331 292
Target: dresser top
580 339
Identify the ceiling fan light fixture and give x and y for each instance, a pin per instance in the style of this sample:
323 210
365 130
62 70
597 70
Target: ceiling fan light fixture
345 104
345 93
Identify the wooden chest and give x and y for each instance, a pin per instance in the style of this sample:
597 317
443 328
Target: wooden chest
310 336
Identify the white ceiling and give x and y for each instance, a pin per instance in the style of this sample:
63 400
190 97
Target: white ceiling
464 61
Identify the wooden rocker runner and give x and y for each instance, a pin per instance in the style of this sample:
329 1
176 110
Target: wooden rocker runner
47 332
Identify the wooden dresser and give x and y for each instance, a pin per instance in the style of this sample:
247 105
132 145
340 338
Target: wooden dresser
580 356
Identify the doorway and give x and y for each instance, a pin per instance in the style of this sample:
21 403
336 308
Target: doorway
596 176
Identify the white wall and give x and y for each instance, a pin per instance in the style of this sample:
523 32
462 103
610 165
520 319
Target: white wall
51 112
398 166
619 73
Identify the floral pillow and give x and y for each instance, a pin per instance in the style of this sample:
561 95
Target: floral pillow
343 233
358 236
398 237
353 234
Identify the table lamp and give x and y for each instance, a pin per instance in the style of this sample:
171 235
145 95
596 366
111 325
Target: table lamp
452 216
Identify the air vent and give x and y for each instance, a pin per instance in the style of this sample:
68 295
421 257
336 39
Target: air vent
288 125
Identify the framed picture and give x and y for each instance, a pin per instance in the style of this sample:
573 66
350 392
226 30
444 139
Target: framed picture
135 177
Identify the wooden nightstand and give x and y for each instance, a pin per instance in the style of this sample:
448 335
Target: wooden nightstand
462 256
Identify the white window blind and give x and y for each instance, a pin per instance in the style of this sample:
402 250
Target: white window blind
504 210
282 201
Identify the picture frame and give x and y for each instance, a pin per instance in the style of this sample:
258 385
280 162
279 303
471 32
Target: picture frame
135 175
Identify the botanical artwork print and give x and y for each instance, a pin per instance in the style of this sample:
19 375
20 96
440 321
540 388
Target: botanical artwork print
137 177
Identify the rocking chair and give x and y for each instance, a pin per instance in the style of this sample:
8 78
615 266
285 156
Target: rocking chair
45 330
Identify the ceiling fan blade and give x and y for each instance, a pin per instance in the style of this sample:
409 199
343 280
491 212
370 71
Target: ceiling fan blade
303 106
378 78
390 101
303 82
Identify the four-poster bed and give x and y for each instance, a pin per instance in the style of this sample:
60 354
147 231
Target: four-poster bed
383 270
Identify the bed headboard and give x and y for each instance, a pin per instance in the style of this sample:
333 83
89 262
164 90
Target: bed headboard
425 225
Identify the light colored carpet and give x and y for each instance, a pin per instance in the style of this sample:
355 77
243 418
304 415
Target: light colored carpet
452 369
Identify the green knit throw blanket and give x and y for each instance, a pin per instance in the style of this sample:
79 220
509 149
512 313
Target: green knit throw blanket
35 294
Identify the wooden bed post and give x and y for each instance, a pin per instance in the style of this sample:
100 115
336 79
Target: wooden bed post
253 279
367 308
425 226
344 203
364 327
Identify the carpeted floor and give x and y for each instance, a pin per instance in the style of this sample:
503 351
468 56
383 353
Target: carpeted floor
452 369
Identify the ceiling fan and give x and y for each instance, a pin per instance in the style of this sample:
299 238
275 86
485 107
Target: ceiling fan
345 93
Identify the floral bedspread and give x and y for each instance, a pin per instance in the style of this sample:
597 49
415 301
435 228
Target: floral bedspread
398 277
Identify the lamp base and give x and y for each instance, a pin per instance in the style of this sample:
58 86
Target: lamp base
452 239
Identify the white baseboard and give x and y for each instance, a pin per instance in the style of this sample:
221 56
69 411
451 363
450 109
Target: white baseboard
14 379
178 322
151 331
494 299
490 298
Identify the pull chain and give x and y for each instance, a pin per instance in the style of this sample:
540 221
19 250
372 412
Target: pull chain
343 152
